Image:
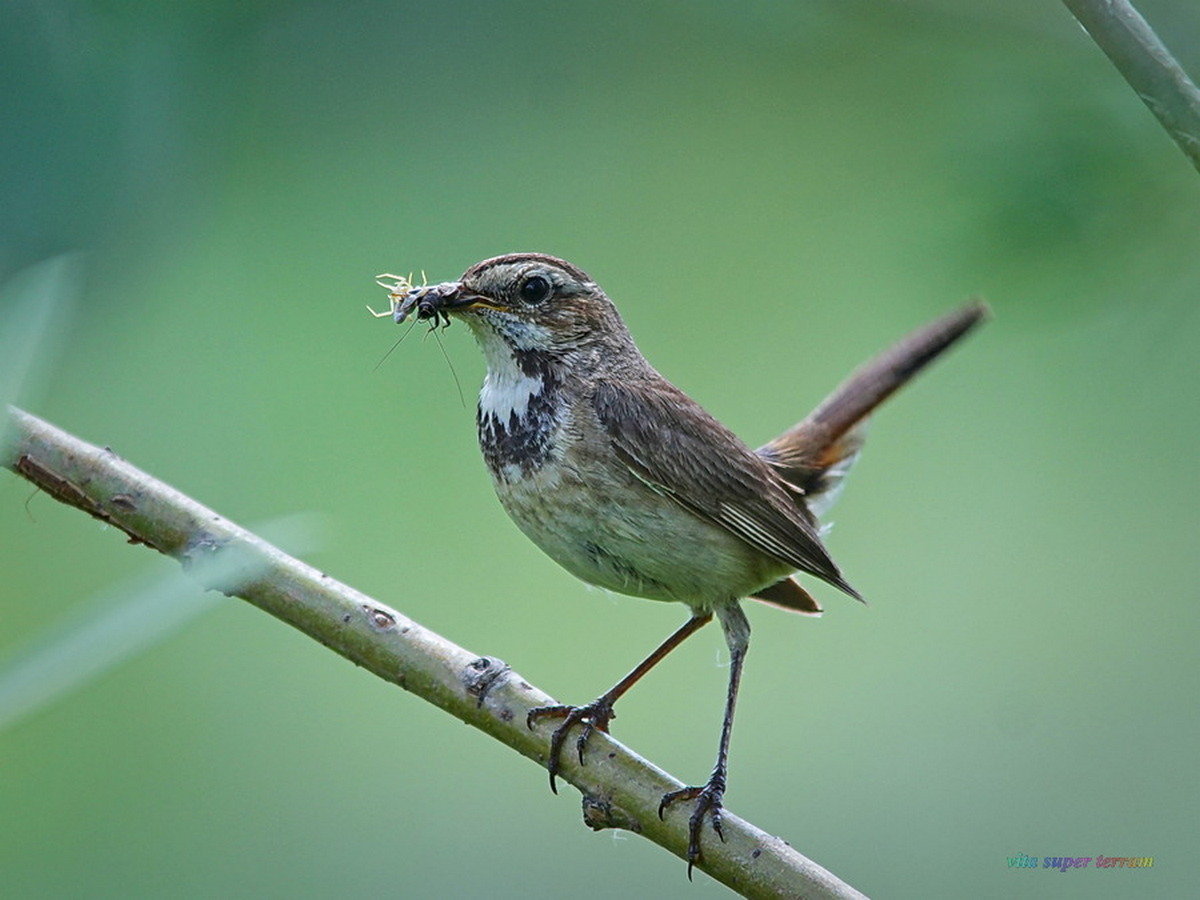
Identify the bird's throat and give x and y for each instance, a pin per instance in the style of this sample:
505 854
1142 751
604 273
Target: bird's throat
520 411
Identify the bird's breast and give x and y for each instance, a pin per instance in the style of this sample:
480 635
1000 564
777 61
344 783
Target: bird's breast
518 419
558 477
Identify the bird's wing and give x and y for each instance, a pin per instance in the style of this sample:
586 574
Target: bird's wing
669 442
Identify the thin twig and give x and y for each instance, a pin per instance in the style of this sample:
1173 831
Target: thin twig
1129 41
620 789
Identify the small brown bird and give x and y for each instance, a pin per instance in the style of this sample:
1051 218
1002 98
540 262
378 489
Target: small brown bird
629 484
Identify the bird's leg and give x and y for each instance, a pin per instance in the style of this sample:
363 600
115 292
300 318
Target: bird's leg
596 715
708 796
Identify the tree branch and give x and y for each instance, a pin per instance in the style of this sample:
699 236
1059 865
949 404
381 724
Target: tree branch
1142 59
620 789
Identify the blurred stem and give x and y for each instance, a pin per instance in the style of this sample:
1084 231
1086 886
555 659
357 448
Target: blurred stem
620 789
1129 41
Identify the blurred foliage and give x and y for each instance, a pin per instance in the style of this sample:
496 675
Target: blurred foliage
771 191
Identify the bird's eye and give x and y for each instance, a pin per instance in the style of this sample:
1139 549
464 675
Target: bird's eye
535 289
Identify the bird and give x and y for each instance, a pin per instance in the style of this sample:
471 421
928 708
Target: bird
630 485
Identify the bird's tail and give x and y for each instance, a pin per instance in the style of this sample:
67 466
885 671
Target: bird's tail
814 456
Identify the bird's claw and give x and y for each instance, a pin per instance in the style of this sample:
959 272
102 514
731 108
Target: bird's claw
708 803
595 716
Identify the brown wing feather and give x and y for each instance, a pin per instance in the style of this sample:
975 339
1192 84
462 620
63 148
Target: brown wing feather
670 442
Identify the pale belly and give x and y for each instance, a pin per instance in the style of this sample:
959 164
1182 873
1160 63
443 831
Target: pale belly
651 548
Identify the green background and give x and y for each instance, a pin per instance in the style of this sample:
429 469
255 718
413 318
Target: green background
771 192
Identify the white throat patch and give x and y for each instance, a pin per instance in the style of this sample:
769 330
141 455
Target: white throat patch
506 389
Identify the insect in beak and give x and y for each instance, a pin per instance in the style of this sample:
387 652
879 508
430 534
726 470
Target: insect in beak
429 301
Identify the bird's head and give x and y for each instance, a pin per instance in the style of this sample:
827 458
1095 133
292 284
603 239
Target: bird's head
532 302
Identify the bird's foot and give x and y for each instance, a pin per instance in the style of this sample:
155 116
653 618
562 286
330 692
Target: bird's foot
595 716
708 803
